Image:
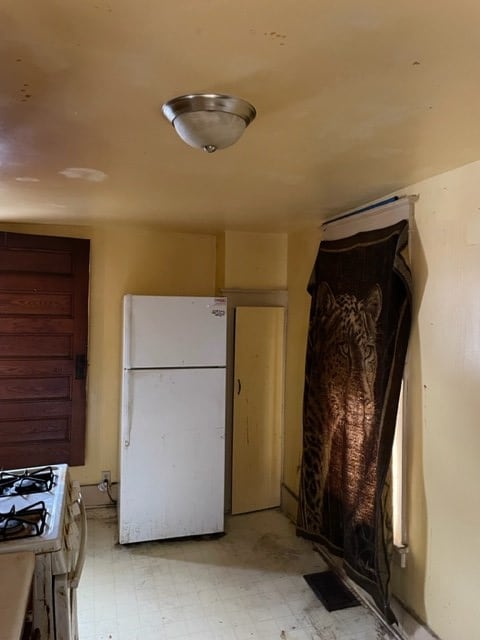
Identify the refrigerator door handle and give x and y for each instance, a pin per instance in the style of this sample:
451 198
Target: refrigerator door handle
129 428
127 409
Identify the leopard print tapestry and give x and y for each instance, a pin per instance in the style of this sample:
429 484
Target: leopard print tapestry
357 342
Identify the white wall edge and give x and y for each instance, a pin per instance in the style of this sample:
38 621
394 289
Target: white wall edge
409 627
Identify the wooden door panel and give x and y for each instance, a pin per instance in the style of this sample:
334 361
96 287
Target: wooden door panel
28 282
43 328
31 260
35 450
35 388
22 368
28 410
35 346
35 325
14 433
36 303
257 408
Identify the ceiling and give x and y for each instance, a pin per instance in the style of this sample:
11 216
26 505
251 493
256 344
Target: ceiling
354 100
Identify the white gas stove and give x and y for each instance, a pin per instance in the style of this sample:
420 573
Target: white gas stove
42 511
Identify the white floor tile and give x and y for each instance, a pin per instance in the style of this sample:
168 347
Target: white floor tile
247 585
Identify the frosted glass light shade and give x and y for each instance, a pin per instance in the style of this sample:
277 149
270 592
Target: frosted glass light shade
204 129
209 121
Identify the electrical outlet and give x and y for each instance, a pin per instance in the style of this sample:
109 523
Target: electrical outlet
105 482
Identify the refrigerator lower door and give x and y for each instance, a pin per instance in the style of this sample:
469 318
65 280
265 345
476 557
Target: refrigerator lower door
172 454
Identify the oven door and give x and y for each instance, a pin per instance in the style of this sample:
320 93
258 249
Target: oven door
65 609
65 583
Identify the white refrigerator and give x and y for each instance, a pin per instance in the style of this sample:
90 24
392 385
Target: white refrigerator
172 441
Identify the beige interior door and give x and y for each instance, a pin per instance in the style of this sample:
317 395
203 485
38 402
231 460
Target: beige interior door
257 408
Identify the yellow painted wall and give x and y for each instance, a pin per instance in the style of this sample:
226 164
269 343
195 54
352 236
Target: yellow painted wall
255 260
442 579
441 582
302 251
220 266
125 259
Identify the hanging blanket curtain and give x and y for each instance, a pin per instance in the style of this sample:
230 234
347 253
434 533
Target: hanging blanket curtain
357 342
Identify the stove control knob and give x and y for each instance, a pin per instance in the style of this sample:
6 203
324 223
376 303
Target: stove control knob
73 536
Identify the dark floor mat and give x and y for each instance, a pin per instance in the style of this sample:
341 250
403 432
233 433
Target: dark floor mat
331 591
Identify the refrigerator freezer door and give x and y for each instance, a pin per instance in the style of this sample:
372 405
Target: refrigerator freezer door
168 332
172 454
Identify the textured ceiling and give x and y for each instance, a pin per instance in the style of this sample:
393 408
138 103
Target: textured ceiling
353 101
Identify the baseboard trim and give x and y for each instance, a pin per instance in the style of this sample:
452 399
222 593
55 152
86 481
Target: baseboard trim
289 503
93 497
409 626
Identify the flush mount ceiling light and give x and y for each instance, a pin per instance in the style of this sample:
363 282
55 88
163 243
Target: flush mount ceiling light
209 121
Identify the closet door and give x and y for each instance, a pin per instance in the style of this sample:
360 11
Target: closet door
257 408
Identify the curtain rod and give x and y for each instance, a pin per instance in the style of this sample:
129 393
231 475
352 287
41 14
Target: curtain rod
382 203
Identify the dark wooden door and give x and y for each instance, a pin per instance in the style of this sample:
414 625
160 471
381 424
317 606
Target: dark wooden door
43 349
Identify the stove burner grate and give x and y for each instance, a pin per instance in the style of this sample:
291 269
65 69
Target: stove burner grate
27 481
12 526
23 523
